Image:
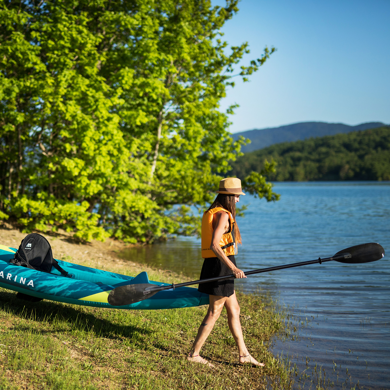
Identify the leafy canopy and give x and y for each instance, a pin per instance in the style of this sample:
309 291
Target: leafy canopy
110 119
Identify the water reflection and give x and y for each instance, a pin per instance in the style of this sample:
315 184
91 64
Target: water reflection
182 255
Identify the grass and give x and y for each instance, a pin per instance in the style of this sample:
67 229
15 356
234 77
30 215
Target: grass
48 345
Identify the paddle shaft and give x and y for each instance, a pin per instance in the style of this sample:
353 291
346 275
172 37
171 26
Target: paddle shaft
256 271
135 292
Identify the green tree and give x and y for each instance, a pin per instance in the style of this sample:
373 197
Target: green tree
110 114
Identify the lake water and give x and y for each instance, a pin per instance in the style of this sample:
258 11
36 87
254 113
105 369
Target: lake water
345 309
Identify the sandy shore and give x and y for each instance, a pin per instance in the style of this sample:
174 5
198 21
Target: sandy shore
97 254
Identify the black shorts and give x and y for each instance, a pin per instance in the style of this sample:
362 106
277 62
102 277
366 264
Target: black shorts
213 267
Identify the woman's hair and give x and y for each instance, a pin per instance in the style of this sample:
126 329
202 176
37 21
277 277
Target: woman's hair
228 202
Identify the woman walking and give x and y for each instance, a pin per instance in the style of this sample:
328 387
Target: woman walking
220 236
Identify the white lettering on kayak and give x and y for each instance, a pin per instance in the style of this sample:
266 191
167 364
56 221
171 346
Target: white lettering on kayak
21 279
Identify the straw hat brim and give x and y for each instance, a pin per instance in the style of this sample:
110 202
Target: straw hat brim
230 193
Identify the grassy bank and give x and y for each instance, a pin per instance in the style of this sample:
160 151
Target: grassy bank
59 346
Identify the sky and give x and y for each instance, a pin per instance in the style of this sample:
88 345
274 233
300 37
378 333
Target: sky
332 62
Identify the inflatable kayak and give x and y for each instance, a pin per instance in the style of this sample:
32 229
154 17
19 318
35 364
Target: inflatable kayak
88 286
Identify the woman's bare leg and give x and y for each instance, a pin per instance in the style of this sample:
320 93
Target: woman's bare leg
216 304
233 312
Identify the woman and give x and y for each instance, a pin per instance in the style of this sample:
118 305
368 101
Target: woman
220 236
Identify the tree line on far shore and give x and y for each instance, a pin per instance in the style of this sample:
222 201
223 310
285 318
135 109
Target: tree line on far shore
360 155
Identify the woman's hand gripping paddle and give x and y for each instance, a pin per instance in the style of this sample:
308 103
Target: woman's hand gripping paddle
132 293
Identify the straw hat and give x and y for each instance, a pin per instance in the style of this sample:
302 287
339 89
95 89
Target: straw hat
230 186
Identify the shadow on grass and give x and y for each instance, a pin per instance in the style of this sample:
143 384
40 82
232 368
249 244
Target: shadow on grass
67 318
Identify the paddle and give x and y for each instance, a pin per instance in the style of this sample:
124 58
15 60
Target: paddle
132 293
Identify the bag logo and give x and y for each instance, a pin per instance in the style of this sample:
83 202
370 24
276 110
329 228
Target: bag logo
28 246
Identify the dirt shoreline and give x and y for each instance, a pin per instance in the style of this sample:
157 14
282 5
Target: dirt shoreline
97 254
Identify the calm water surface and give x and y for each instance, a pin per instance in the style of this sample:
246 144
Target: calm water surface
347 306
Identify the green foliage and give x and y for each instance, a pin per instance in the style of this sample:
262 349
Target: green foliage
110 114
360 155
256 183
50 213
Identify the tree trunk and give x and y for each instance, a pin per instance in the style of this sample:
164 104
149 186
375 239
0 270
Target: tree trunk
155 157
20 159
10 181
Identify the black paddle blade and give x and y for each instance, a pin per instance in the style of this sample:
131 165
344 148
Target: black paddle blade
130 293
364 253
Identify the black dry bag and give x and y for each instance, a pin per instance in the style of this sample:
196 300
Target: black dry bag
35 252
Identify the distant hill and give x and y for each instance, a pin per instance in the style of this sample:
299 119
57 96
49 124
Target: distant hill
261 138
358 155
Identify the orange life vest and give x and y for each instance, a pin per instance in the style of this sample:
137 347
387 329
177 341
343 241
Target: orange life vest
227 243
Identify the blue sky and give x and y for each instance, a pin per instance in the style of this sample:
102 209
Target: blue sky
332 62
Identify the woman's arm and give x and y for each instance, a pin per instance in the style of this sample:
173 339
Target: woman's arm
221 220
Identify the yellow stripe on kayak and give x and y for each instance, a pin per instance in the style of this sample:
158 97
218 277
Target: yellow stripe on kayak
5 248
99 297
